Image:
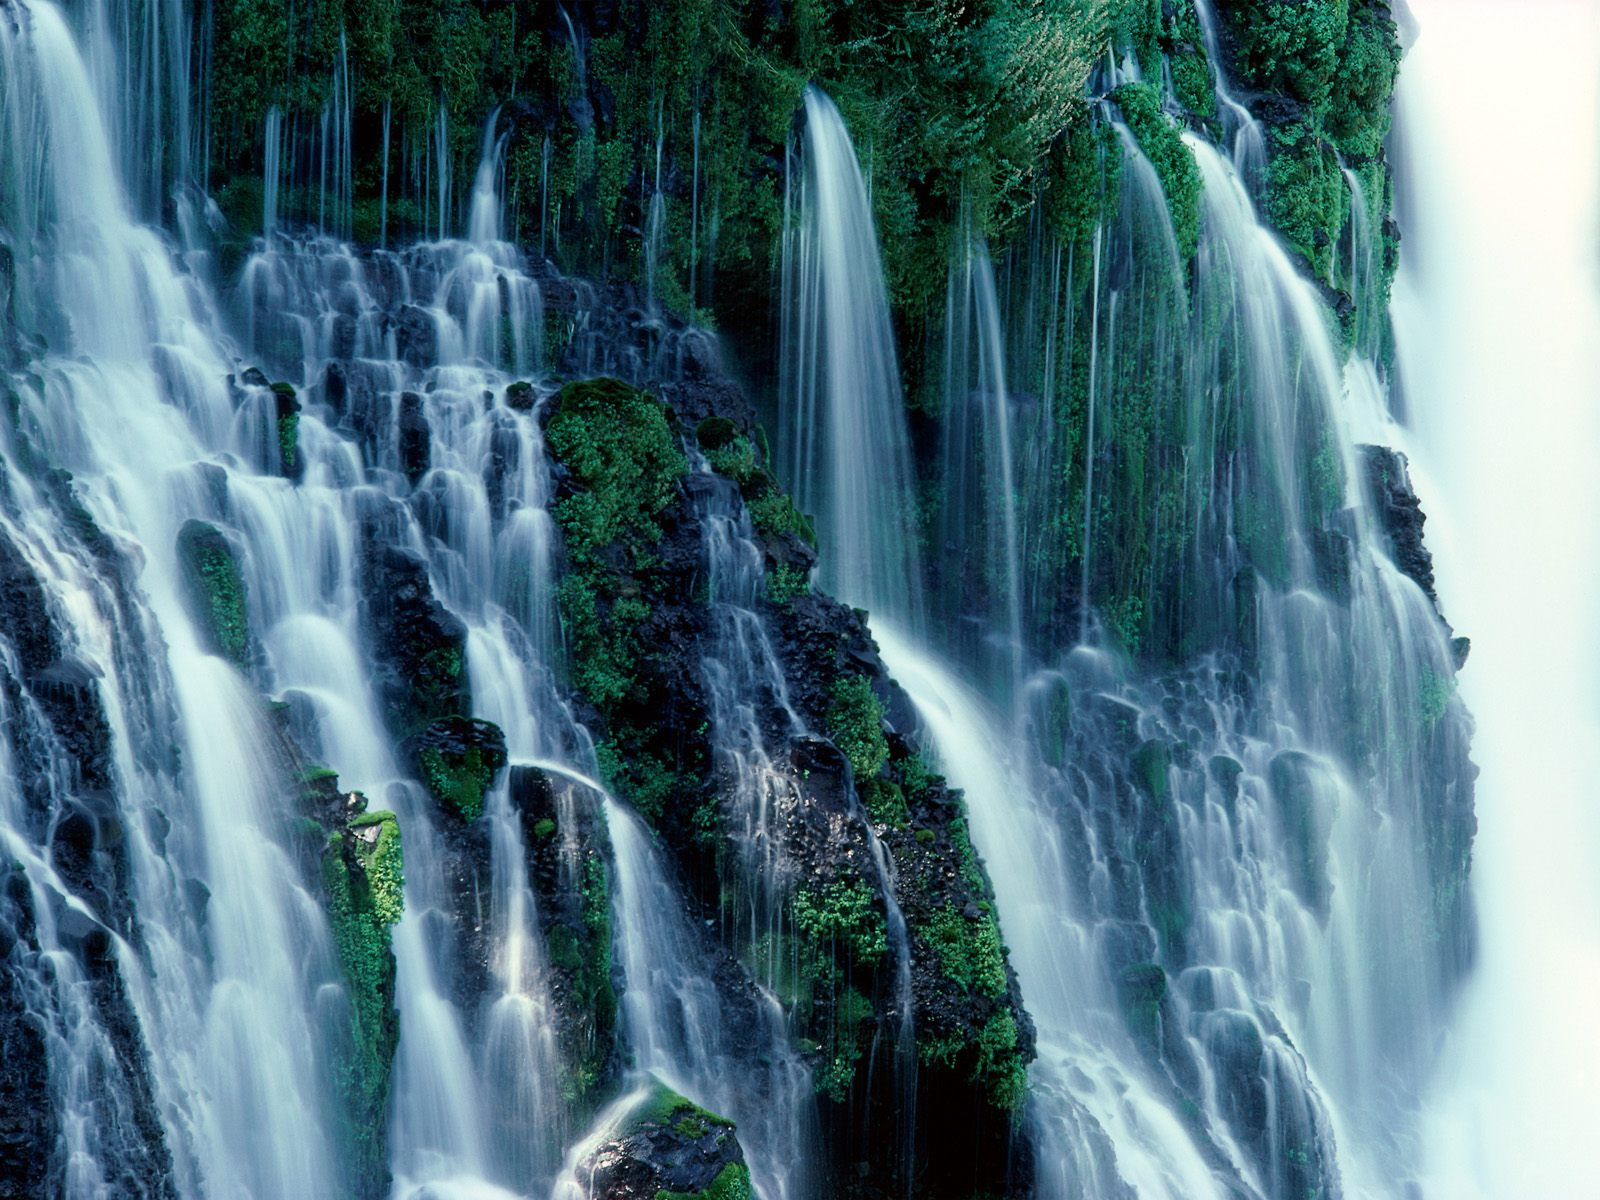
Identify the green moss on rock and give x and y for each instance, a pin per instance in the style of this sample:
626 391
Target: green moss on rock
1174 163
363 877
216 589
844 913
855 723
460 758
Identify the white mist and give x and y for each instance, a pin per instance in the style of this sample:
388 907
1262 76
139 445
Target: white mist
1498 307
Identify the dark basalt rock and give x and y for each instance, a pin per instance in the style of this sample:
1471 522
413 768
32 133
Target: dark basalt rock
29 1167
415 438
1400 513
420 646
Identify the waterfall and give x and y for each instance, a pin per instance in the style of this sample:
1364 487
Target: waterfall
1262 1027
976 379
1497 325
682 1033
849 456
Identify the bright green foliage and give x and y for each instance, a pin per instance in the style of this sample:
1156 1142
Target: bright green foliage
625 465
970 951
842 1051
1339 59
1306 195
846 914
1000 1063
994 1056
461 785
773 514
364 882
1173 161
1184 42
216 589
886 803
855 723
785 582
460 759
624 459
731 1183
376 841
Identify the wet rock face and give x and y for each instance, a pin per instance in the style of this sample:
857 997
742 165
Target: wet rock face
672 1148
419 645
27 1118
1399 513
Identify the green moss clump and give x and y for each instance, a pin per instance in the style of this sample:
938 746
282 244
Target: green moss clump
785 582
624 465
624 461
1185 46
886 803
216 589
995 1058
377 844
1173 161
774 515
459 758
1306 197
666 1107
970 951
843 914
731 1183
1337 60
855 723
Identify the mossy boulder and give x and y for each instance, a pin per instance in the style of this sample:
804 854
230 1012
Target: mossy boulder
669 1149
216 590
459 759
286 416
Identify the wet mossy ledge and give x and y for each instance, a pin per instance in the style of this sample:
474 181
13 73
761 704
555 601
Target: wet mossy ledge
358 857
211 574
638 624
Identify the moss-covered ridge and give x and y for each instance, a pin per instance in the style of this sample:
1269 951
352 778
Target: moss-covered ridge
636 646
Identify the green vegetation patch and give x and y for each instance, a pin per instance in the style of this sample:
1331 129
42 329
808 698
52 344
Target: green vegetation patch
363 876
855 724
1174 163
731 1183
843 914
216 588
460 758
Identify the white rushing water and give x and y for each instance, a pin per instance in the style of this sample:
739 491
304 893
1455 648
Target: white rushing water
1498 308
839 341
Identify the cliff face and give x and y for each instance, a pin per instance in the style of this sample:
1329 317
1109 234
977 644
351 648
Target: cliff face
578 635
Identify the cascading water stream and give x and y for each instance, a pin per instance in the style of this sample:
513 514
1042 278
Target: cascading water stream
1284 941
1498 323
